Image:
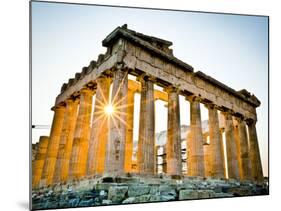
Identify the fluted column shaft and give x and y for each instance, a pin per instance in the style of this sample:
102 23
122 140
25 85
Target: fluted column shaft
130 130
242 149
146 143
53 146
79 154
208 160
39 160
115 152
222 130
257 173
99 130
196 157
66 140
215 144
231 148
174 159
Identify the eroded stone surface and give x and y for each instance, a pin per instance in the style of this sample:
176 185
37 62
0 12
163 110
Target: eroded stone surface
78 194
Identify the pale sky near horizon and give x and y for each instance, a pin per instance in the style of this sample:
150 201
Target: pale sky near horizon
230 48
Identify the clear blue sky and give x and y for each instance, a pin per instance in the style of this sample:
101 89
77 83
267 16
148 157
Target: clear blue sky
231 48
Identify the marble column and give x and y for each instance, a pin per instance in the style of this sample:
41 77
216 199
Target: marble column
173 145
215 143
208 160
53 146
66 139
240 132
195 144
222 130
79 154
130 130
146 142
115 152
37 168
99 130
254 151
231 148
188 140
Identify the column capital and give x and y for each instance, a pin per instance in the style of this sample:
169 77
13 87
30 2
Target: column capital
211 106
239 119
227 112
171 88
71 100
87 89
250 121
146 77
193 98
60 106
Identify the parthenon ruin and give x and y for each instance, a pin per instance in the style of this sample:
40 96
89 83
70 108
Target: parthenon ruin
84 143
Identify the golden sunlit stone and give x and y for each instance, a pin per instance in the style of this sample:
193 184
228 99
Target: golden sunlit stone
99 147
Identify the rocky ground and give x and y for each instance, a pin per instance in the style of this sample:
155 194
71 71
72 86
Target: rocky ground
133 189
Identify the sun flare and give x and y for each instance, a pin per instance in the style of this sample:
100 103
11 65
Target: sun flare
109 109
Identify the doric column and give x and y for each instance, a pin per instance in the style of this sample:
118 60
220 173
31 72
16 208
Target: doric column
79 154
130 131
195 144
99 130
66 140
208 160
215 143
115 152
255 158
222 151
242 148
53 146
39 160
173 145
231 148
188 140
146 142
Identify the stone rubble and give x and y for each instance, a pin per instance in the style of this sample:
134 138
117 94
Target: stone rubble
96 192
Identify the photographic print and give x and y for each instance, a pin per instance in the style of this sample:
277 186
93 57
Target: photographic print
136 105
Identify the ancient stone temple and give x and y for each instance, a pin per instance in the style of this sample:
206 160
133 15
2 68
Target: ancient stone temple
86 142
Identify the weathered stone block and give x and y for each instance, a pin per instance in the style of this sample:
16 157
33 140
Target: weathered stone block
204 194
106 202
130 200
117 194
167 190
155 198
138 190
127 180
168 197
74 202
154 190
188 194
86 203
104 186
103 194
143 198
222 195
240 191
186 186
